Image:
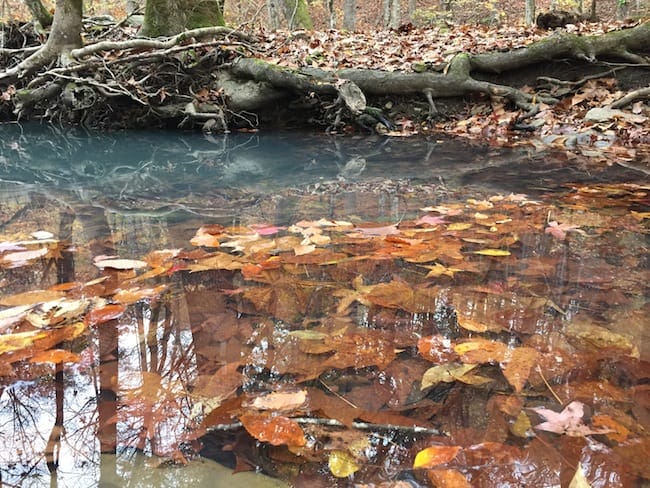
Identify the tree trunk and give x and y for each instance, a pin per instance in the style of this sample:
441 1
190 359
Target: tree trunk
412 7
39 13
297 14
530 12
621 9
350 15
274 14
170 17
66 26
392 13
331 12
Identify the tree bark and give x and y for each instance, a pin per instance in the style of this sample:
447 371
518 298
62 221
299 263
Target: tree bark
530 12
39 13
170 17
350 15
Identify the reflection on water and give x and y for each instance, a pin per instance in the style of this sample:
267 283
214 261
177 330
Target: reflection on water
354 324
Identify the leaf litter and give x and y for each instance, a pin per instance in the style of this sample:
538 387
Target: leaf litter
449 345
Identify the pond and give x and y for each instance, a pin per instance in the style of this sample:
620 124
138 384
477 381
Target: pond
319 310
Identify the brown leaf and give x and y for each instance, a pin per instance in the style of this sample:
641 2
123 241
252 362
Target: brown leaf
517 366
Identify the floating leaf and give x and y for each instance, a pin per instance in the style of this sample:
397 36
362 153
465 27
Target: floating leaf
274 429
492 252
342 464
434 455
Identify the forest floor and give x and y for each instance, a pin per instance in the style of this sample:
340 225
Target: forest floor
582 122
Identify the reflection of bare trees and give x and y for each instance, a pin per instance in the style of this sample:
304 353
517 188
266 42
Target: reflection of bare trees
130 389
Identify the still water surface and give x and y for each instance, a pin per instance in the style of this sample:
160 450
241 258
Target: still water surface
133 393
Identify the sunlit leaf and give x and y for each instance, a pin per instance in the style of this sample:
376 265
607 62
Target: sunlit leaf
135 294
579 479
342 464
12 316
56 312
120 263
15 259
459 226
470 324
309 335
492 252
31 297
447 478
281 400
435 455
274 429
303 249
55 356
19 340
446 373
481 351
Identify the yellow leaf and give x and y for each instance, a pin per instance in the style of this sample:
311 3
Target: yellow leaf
492 252
434 455
579 480
446 373
342 464
459 226
521 427
19 340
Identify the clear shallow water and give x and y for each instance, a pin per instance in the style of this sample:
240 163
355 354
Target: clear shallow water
135 387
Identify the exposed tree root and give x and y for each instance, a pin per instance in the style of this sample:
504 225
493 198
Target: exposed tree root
202 77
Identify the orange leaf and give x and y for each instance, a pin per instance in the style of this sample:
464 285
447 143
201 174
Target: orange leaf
619 432
104 314
481 351
447 478
434 455
276 430
55 356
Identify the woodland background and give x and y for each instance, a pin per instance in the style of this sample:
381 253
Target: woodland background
370 13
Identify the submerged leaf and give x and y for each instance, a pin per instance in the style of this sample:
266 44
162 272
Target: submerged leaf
342 464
